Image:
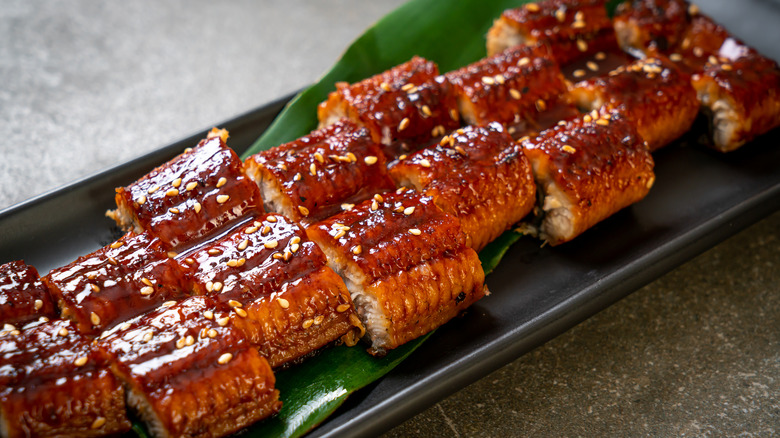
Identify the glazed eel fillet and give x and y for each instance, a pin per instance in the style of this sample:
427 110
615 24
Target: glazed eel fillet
586 170
311 178
55 382
23 296
653 93
277 286
405 263
189 372
403 108
198 192
477 174
521 87
738 88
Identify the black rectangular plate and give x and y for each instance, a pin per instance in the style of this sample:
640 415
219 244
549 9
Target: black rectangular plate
700 198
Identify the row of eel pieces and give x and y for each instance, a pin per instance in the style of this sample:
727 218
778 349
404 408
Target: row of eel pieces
369 227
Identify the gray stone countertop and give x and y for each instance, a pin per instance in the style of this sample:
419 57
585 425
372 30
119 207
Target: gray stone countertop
85 85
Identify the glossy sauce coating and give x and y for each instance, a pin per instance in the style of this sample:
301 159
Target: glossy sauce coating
403 108
559 23
308 179
194 194
652 93
53 381
406 262
189 374
588 169
23 297
384 233
273 279
478 175
117 282
508 87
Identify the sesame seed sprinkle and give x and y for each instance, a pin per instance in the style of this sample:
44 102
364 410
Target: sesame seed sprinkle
189 340
234 303
582 45
94 318
168 303
385 86
221 182
217 286
415 231
180 343
81 361
425 163
294 247
313 169
283 303
214 251
197 207
240 312
541 105
568 149
560 14
191 185
404 124
63 332
602 122
174 210
374 205
426 111
208 314
250 230
148 336
592 66
370 160
304 211
407 87
347 207
141 200
306 324
242 246
408 210
147 290
116 244
523 61
342 308
533 7
266 229
153 189
514 93
222 199
579 73
318 320
600 56
272 244
172 192
223 321
211 333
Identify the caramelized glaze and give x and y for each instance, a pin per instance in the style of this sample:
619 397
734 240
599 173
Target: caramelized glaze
312 176
117 282
23 297
478 175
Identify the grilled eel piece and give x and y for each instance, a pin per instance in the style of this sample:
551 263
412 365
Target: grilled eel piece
190 196
189 372
55 382
281 293
737 87
521 87
126 278
405 264
310 178
23 297
403 108
478 175
652 93
564 25
586 170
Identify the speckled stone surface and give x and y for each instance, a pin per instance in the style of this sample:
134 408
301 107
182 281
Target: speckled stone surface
87 84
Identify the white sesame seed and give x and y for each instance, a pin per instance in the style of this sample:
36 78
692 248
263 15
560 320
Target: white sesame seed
174 210
374 205
514 93
234 303
568 149
222 199
81 361
426 111
148 336
304 211
407 87
211 333
306 324
592 66
191 186
141 200
217 286
63 332
579 73
147 290
582 45
404 124
272 244
98 423
197 207
240 312
208 314
342 308
415 231
318 320
38 304
283 303
533 7
223 321
153 189
294 247
425 163
318 156
408 210
560 14
541 105
313 169
602 122
488 80
172 192
347 207
180 343
225 358
221 182
94 318
168 303
385 86
189 340
116 244
523 61
357 249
